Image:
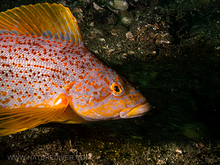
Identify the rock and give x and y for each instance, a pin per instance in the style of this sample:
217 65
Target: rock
129 35
118 5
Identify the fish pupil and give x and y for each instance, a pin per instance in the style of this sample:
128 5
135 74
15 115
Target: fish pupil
116 88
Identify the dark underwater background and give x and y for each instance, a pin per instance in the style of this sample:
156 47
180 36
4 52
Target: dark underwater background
170 50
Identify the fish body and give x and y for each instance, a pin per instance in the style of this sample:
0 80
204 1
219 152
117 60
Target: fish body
48 75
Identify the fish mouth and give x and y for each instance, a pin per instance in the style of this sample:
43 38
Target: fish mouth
137 111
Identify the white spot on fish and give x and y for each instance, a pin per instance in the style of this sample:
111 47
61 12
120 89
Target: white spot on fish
58 102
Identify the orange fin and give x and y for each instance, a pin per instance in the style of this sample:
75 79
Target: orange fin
54 20
69 116
20 119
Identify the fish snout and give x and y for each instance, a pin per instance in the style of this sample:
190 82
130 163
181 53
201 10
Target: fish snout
137 111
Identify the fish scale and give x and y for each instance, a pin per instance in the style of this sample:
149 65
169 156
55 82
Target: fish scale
35 63
47 75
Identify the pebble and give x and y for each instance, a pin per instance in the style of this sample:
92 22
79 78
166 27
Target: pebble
179 151
118 5
90 155
126 17
102 39
97 7
131 52
77 10
129 35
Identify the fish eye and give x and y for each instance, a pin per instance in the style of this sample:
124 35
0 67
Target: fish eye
117 89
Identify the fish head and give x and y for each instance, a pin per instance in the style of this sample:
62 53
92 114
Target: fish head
111 97
127 100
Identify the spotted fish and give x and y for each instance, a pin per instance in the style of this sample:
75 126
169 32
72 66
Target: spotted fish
47 75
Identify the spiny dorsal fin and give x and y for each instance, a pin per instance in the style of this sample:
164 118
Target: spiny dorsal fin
51 19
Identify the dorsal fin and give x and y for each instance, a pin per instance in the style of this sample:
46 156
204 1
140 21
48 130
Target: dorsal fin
51 19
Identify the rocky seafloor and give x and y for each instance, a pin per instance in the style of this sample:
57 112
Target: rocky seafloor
170 51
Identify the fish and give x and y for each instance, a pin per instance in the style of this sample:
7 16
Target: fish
48 75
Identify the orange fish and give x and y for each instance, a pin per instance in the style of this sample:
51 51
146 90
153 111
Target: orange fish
47 75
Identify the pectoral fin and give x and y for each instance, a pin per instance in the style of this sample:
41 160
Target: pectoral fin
69 116
20 119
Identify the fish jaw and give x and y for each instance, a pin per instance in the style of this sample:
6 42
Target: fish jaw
137 111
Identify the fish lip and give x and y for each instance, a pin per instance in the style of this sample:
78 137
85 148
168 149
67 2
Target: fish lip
137 111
